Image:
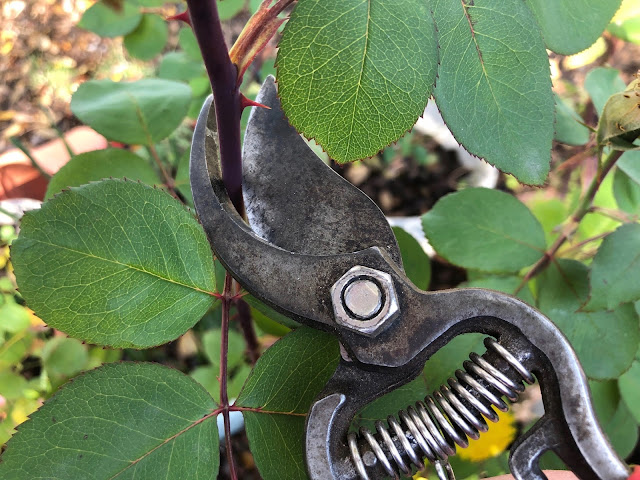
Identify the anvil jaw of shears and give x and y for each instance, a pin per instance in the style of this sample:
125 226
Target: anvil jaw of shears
318 250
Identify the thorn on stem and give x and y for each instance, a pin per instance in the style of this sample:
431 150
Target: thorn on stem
247 102
183 17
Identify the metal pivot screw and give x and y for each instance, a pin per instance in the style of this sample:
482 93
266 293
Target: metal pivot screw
364 300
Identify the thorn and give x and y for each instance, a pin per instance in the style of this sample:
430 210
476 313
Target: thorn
247 102
183 17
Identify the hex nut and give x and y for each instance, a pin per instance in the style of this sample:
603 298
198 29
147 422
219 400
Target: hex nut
382 315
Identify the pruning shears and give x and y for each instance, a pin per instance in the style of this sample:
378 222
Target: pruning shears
318 250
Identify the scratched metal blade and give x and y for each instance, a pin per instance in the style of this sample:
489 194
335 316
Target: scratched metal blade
294 200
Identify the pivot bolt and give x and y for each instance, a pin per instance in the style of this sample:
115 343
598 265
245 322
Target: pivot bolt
364 300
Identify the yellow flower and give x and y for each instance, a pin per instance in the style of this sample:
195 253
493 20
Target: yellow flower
493 442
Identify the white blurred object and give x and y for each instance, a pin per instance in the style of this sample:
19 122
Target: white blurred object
413 226
236 423
481 173
16 207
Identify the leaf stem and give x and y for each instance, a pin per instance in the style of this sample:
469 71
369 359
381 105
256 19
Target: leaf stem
244 320
227 294
168 180
205 22
20 146
572 223
617 215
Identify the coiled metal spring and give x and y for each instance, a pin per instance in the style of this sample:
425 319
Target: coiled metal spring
450 416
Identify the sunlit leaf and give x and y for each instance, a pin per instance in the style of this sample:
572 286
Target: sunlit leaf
148 39
141 112
115 263
106 21
466 229
355 75
493 88
570 26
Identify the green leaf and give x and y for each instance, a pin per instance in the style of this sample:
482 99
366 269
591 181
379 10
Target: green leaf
355 75
601 83
615 271
390 403
416 262
211 342
182 180
611 335
141 112
629 163
149 3
188 42
13 349
178 66
506 284
227 9
594 224
115 263
630 388
279 392
484 229
615 418
269 312
550 212
626 192
569 130
64 356
619 125
570 26
149 39
628 30
12 385
107 21
207 376
437 370
15 318
254 5
119 421
493 88
91 166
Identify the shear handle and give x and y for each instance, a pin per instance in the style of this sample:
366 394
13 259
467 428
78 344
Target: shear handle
569 426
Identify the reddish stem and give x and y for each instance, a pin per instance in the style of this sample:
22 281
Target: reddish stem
227 294
222 75
244 320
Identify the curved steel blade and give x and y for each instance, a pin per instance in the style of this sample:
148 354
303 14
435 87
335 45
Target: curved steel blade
294 200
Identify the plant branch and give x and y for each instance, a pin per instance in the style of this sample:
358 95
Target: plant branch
572 223
20 146
205 22
168 180
617 215
256 34
224 352
244 320
581 244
